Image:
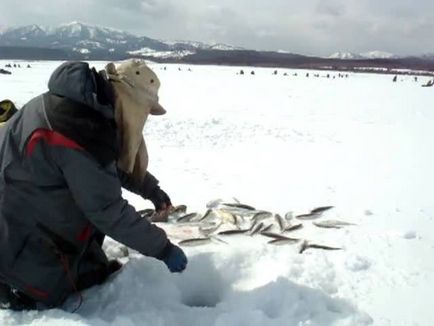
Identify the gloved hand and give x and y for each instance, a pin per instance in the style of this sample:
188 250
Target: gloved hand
174 258
160 199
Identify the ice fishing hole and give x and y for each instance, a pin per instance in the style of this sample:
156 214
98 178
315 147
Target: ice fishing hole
207 298
201 285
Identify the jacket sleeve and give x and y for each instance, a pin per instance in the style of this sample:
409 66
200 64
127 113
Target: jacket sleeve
97 191
144 189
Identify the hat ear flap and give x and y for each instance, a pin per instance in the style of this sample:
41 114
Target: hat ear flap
157 109
111 68
112 73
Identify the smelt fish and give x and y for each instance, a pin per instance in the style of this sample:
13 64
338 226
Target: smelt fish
256 228
320 209
262 215
207 213
305 245
277 236
280 222
231 232
267 228
332 224
278 242
293 227
207 231
310 216
194 242
187 217
239 205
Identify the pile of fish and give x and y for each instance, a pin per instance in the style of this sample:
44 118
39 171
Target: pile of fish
223 219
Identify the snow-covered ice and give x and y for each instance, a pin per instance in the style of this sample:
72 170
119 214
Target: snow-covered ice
280 143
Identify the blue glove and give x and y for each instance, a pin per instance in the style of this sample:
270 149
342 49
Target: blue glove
174 258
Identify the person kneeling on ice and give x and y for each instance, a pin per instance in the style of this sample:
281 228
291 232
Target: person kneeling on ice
63 160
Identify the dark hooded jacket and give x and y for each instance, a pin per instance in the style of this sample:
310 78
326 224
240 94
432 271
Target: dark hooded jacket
60 188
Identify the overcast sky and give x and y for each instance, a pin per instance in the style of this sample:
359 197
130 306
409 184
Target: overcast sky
316 27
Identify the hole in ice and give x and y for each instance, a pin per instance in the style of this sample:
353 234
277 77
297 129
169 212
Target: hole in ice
201 285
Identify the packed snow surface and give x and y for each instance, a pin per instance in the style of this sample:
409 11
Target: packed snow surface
280 143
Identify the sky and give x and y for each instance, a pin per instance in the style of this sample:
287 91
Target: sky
312 27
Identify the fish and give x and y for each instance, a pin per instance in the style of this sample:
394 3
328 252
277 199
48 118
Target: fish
261 215
305 245
239 205
207 231
279 242
195 242
267 228
277 236
207 213
309 216
256 228
215 238
280 222
321 209
332 224
293 227
187 217
317 246
231 232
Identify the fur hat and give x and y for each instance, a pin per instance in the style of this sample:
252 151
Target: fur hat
136 97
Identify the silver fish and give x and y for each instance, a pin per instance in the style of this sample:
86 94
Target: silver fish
215 238
293 227
321 209
187 217
256 228
280 222
277 236
279 242
305 245
332 224
317 246
207 213
310 216
232 232
207 231
239 205
261 215
194 242
267 228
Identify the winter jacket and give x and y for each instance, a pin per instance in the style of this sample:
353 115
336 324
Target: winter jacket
60 188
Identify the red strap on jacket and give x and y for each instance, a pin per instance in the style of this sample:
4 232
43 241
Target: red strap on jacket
52 138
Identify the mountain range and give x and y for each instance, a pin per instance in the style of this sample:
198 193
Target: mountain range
82 40
79 41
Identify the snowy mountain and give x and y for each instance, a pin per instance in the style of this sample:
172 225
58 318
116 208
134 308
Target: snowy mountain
180 44
364 55
345 56
378 55
96 41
